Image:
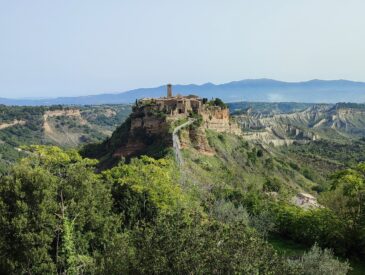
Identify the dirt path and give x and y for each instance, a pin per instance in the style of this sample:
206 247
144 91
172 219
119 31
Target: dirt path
15 122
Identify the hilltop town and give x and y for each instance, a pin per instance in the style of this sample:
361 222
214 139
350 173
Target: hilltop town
155 118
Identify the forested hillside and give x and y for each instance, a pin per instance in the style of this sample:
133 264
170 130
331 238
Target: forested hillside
142 218
55 125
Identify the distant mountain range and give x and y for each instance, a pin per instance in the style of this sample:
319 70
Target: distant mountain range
266 90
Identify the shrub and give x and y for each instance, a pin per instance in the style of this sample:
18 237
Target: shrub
272 185
319 262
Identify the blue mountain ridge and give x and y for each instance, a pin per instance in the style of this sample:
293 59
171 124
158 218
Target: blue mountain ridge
265 90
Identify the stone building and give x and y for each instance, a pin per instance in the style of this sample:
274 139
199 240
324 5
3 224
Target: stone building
172 105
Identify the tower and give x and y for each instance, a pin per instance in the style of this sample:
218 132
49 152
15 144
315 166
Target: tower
169 90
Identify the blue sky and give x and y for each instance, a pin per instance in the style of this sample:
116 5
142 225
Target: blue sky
80 47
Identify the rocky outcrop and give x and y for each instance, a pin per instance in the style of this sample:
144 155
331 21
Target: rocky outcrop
130 149
151 124
152 121
213 118
145 129
196 138
219 120
305 201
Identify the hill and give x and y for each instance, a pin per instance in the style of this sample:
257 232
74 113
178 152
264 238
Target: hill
209 147
314 91
153 124
55 125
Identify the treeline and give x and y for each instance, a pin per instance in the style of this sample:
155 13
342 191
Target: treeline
58 216
266 108
10 113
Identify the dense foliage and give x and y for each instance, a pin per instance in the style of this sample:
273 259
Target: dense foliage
59 216
55 214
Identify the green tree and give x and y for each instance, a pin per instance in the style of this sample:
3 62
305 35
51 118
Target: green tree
177 244
319 262
347 198
55 214
144 188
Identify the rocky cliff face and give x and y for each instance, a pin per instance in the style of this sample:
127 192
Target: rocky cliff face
219 120
150 124
148 127
213 118
196 138
145 129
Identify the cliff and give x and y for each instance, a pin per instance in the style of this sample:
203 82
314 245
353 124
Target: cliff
219 120
149 128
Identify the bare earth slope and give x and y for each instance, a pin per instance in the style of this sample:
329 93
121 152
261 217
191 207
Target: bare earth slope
335 122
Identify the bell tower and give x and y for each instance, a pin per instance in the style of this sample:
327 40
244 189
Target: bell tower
169 90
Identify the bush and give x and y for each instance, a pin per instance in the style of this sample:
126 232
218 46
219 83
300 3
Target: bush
226 211
308 174
217 102
319 262
260 153
272 185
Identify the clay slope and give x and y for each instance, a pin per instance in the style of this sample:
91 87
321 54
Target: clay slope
338 121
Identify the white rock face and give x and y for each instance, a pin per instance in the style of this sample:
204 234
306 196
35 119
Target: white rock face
314 123
306 201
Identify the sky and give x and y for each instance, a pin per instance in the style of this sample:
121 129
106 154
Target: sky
71 48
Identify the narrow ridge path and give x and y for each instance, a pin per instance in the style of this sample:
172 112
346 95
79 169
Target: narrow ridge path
176 140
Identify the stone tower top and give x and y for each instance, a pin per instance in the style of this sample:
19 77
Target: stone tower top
169 90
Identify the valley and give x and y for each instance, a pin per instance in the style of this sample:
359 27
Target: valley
182 137
340 122
266 166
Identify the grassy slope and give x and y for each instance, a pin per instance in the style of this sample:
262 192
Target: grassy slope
241 165
237 166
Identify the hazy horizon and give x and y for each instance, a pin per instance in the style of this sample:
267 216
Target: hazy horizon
175 84
77 48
